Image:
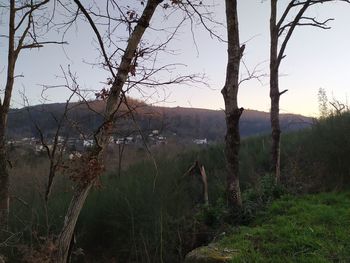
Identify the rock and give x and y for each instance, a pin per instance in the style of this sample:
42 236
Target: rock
210 254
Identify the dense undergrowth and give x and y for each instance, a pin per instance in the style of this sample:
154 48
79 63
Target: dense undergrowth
154 213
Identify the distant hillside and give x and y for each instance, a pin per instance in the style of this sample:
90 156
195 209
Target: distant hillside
184 122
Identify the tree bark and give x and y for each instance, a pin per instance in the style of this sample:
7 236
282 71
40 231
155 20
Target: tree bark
80 194
82 190
4 108
4 189
232 112
274 93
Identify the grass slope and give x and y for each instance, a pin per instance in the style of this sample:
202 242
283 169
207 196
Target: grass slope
313 228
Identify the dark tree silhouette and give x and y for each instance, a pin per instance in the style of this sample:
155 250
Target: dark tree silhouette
281 30
232 111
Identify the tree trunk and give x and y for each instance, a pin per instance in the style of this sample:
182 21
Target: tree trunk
4 189
52 173
4 108
232 112
274 94
80 194
121 148
82 190
205 184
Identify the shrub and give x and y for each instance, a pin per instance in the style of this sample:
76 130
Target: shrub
316 159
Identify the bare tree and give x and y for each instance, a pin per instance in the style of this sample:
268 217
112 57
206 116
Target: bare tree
123 78
281 30
22 34
232 111
56 148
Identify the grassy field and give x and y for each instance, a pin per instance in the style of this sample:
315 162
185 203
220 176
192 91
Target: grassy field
313 228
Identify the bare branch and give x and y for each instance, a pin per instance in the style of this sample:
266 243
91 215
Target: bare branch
97 33
282 92
285 13
203 22
290 31
254 74
41 44
314 22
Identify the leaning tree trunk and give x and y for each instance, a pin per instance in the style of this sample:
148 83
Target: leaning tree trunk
83 188
274 94
80 194
232 112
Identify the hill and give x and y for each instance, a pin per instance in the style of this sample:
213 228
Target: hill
184 122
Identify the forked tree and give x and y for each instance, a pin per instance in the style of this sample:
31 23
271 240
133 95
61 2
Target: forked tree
281 29
23 27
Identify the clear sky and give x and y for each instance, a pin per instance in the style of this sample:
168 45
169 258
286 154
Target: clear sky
315 59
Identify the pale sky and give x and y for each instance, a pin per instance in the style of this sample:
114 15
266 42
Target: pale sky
315 59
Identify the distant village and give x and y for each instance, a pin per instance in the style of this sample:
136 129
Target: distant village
77 145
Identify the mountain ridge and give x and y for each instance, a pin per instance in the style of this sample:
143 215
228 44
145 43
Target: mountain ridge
184 121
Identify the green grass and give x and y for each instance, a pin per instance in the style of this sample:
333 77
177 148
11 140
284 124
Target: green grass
313 228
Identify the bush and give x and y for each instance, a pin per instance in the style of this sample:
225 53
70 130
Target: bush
255 199
317 159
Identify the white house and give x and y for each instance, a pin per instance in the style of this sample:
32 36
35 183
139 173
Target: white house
200 141
88 143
